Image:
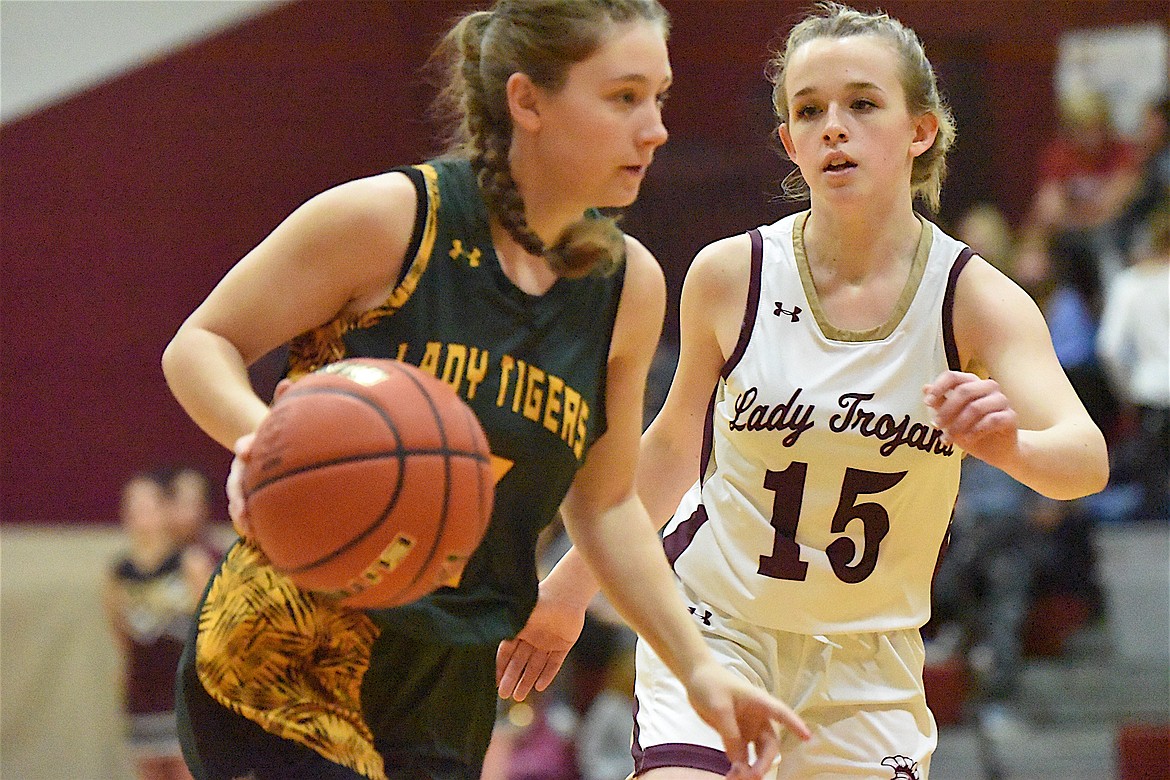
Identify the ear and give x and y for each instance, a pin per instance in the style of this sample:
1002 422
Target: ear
523 102
925 131
786 139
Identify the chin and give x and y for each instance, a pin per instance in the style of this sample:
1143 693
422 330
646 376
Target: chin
619 200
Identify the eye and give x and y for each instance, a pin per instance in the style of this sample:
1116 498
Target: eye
806 112
863 104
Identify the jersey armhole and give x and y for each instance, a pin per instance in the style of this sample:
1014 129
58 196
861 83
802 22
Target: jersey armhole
948 309
420 218
753 303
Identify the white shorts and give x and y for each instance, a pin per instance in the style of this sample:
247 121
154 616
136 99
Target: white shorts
861 695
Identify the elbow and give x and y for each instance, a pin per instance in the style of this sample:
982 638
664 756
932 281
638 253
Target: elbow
1090 478
170 361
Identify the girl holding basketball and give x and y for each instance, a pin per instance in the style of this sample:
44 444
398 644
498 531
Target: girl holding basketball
490 268
834 369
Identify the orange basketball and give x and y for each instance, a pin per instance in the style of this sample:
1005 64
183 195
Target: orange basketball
370 481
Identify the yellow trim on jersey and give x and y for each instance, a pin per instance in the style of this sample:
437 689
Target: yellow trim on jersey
320 346
830 331
426 247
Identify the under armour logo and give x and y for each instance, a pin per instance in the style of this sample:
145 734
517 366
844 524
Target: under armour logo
904 768
782 312
458 251
705 617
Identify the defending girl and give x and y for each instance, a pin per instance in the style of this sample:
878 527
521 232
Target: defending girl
835 367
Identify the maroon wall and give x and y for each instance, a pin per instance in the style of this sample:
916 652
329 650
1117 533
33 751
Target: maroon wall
122 206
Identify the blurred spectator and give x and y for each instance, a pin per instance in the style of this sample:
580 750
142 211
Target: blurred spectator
190 512
1031 264
984 228
984 589
1134 347
1088 174
1073 309
1153 147
150 606
1073 312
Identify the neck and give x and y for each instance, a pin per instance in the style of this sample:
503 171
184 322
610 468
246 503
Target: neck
149 551
548 205
528 272
857 242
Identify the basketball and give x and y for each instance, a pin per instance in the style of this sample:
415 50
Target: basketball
369 481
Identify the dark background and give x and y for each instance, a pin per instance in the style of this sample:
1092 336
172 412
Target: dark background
121 207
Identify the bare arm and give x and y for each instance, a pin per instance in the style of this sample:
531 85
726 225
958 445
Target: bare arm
338 251
610 526
714 296
1026 419
612 530
711 312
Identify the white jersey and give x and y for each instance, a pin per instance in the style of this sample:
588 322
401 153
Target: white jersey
827 492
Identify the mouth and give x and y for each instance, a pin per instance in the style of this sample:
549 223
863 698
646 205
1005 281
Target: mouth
836 164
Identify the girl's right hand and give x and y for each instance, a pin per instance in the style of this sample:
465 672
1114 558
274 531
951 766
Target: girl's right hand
235 480
235 485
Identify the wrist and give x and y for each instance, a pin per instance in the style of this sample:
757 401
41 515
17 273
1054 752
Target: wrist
570 583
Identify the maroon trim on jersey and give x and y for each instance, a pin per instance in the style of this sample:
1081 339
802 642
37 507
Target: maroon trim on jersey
948 309
708 436
675 542
753 303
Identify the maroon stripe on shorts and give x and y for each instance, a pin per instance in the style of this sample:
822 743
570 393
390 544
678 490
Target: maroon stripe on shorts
680 754
676 754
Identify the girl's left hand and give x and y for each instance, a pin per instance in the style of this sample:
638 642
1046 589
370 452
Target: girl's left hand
534 657
974 414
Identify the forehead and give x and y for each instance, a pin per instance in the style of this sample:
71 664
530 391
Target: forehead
827 63
629 51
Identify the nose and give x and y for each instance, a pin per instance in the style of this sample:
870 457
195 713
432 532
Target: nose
655 133
834 128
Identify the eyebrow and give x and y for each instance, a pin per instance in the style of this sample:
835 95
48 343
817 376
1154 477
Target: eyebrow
852 86
638 77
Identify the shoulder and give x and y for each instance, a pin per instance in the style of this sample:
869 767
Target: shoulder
643 303
984 293
355 233
642 271
368 198
721 268
990 309
375 213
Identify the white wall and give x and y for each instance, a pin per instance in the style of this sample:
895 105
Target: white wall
51 49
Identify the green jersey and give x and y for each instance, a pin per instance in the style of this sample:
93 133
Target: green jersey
360 686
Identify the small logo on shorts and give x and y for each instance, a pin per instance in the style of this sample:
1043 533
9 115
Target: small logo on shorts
705 617
904 768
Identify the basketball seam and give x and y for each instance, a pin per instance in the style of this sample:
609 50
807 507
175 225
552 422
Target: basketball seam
446 481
